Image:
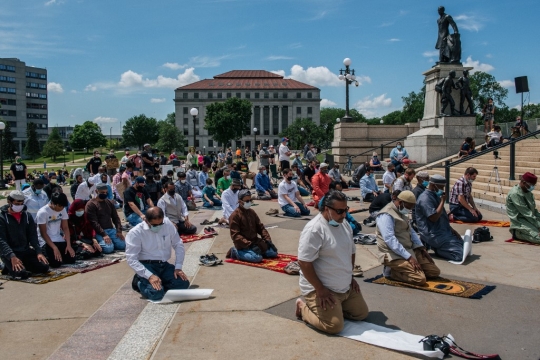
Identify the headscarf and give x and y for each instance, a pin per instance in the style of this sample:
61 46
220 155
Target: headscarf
79 224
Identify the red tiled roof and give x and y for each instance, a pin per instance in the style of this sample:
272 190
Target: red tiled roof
247 80
234 74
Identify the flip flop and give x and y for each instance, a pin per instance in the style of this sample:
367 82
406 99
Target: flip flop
207 222
215 259
205 261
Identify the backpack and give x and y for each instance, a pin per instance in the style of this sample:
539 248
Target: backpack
481 234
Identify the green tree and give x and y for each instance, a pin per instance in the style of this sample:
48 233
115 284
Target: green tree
170 137
171 118
393 118
8 146
88 135
328 120
140 130
312 133
32 147
413 106
227 120
54 146
483 87
531 111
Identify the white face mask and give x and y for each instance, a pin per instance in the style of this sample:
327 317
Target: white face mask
404 211
247 205
227 177
17 208
53 181
79 213
183 181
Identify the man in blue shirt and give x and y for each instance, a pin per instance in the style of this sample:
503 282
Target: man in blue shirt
264 186
368 186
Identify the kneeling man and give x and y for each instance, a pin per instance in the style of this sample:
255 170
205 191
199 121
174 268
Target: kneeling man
251 240
521 209
148 249
326 254
400 250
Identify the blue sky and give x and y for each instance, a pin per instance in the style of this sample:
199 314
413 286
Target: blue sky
108 60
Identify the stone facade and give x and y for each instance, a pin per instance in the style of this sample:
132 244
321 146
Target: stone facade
23 97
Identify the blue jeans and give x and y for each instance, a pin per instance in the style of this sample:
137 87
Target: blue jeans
462 214
216 202
165 272
116 243
289 210
303 191
134 219
251 256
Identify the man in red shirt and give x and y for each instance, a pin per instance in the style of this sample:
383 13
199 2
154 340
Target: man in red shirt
321 184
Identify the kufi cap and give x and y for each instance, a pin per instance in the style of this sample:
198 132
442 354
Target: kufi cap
91 181
530 178
145 145
407 196
324 165
17 195
140 179
101 186
437 179
236 181
422 174
242 193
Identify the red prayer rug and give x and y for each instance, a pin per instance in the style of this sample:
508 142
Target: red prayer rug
514 241
195 237
494 223
277 264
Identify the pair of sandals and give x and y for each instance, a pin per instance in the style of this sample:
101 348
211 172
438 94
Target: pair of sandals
363 239
210 231
272 212
210 222
210 260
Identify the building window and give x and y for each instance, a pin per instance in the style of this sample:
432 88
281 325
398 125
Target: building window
239 95
8 102
257 117
210 143
210 95
36 85
275 120
197 143
35 106
310 95
7 67
266 95
8 112
195 95
36 75
186 131
298 95
298 110
309 110
10 79
266 120
284 95
276 95
184 95
229 95
186 121
219 95
257 95
284 117
8 90
247 95
42 96
13 124
185 110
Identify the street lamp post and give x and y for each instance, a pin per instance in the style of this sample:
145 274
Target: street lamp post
73 156
2 127
64 158
255 137
204 150
194 112
303 136
348 76
84 154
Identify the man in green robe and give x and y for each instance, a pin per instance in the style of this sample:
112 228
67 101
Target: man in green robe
521 209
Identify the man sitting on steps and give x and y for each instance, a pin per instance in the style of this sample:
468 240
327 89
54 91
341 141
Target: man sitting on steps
521 209
462 206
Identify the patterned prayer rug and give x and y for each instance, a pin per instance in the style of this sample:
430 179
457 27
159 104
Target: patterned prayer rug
195 237
514 241
494 223
277 264
442 286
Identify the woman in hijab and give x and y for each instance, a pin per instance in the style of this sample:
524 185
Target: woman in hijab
82 234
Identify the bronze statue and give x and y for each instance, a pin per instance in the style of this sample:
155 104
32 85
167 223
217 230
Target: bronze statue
444 87
465 92
449 45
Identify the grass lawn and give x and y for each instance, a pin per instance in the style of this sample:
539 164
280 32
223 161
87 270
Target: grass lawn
69 157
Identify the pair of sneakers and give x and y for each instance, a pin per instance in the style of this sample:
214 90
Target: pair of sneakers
210 260
210 231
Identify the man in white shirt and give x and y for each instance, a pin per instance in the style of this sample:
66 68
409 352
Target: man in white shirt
289 196
86 189
284 154
50 219
175 209
229 200
404 181
193 179
326 255
148 249
389 177
36 198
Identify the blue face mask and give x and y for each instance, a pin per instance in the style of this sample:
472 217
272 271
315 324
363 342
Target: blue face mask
155 229
370 175
264 172
439 193
38 191
531 188
399 147
333 223
425 183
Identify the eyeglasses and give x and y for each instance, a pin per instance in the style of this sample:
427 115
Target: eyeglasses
339 211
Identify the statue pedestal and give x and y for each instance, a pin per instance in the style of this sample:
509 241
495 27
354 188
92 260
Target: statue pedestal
441 136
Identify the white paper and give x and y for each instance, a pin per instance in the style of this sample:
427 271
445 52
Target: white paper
184 295
387 338
467 248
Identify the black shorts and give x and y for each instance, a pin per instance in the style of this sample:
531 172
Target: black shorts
284 164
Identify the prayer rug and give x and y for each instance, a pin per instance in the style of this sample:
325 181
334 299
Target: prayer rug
278 264
494 223
514 241
292 218
442 286
354 211
195 237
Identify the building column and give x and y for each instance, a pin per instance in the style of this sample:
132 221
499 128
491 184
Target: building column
280 109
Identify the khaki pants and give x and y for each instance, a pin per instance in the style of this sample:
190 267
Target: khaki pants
402 270
349 305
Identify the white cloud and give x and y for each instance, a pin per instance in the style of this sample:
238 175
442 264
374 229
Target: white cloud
90 88
54 2
469 22
431 53
207 61
317 76
394 40
54 87
279 57
295 45
73 91
174 66
101 119
477 65
155 101
507 83
327 103
489 56
369 105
